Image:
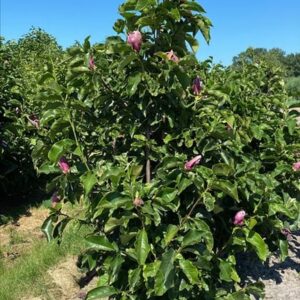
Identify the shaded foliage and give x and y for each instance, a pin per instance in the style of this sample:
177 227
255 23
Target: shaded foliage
22 62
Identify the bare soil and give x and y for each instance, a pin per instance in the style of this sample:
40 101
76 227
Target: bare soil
64 281
18 236
67 279
281 279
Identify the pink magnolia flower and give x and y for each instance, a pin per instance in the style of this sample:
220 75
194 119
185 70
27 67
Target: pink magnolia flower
55 199
189 165
197 86
33 120
296 166
287 233
239 218
137 202
135 39
92 65
172 56
64 165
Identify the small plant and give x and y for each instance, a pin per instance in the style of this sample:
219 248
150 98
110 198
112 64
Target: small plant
15 237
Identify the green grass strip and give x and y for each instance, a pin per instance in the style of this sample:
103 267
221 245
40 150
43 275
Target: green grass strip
27 273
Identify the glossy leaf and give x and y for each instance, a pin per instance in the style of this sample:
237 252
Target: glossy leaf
100 243
259 245
142 247
101 293
190 270
226 187
164 279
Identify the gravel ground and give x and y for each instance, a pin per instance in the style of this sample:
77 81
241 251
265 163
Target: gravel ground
281 279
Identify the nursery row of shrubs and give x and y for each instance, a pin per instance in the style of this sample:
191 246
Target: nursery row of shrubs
180 165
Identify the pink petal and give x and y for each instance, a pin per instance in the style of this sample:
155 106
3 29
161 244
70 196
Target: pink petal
239 217
296 166
189 165
64 165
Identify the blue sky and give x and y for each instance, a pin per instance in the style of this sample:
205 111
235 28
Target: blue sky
238 24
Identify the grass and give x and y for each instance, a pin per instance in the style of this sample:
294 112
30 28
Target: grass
28 274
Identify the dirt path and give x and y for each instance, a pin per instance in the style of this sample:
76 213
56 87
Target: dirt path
62 281
17 237
281 279
67 278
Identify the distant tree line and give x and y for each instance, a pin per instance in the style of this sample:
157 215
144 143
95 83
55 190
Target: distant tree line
288 63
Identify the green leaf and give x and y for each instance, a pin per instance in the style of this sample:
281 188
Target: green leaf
46 168
51 114
184 184
115 267
239 295
190 270
134 278
175 14
150 270
183 78
170 234
204 26
112 223
164 279
101 292
78 61
227 272
193 237
75 50
81 69
47 227
259 245
113 201
193 6
136 171
60 226
140 137
119 25
209 201
142 247
226 187
281 208
222 169
171 163
100 243
167 195
127 60
145 21
284 247
86 44
218 94
202 229
256 289
133 82
59 148
193 42
88 180
142 4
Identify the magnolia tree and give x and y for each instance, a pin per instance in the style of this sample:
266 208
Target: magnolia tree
23 63
179 165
